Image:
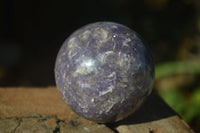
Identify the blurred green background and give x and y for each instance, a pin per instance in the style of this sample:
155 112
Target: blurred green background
32 31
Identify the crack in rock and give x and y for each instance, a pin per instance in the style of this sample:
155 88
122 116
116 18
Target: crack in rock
19 123
57 129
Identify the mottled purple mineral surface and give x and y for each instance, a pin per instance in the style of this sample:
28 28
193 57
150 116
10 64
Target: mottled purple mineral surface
104 71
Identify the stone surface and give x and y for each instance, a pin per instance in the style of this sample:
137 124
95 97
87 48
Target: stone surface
77 125
40 110
50 124
154 116
169 125
23 102
8 125
31 125
104 71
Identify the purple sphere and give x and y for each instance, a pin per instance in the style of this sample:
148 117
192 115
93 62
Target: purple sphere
104 71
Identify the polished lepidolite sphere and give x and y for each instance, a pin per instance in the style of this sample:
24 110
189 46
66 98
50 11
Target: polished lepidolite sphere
104 71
